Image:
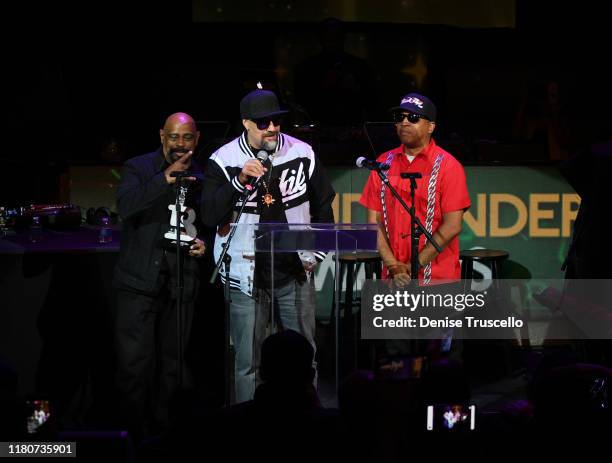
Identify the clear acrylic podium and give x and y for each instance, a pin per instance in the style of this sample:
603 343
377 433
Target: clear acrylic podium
307 241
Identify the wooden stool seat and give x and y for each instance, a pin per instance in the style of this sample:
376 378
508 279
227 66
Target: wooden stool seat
484 254
494 257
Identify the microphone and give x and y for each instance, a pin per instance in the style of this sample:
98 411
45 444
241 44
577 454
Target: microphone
372 165
181 173
262 156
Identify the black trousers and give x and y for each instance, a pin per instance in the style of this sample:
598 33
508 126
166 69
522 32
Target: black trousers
146 347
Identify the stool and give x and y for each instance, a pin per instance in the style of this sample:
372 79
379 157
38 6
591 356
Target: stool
350 263
492 256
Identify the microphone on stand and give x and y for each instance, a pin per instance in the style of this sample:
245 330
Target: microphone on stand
181 173
372 165
183 177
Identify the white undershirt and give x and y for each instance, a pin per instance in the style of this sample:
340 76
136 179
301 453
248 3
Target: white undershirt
410 158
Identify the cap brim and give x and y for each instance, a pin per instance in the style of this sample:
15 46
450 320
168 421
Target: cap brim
272 114
401 108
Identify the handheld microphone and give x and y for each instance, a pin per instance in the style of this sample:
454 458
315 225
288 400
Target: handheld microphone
181 173
262 156
372 165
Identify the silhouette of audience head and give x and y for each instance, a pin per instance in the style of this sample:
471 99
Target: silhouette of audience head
286 357
445 381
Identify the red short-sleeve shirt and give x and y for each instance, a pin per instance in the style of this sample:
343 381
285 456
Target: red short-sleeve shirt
451 194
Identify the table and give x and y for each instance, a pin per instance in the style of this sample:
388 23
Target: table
54 313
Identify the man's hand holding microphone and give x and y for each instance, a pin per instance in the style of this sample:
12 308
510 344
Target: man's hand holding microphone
253 169
182 164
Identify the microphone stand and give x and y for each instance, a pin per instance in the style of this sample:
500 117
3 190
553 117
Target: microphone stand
226 259
415 233
416 230
180 175
416 227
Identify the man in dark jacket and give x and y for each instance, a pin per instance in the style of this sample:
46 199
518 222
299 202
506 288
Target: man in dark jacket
145 320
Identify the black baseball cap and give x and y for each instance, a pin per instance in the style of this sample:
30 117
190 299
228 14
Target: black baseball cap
260 104
417 104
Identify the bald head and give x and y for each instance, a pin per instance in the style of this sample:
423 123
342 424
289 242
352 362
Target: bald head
178 136
178 118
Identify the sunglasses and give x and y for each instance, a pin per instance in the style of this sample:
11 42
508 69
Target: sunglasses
398 117
263 124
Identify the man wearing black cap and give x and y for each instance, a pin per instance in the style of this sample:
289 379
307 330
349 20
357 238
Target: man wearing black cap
293 189
441 197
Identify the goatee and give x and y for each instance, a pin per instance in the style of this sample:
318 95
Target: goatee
269 145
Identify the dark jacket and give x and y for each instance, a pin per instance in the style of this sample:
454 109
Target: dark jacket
143 197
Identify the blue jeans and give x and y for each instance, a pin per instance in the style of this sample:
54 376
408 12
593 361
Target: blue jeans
249 317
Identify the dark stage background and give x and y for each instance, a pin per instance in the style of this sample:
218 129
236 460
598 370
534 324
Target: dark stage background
90 83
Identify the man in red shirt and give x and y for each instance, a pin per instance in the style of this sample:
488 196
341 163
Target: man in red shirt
441 197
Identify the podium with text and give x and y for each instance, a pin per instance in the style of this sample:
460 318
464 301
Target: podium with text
278 250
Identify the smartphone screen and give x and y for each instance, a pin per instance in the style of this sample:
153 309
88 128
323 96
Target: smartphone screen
39 413
451 417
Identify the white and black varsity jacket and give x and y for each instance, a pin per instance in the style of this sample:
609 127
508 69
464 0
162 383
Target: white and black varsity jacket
307 196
